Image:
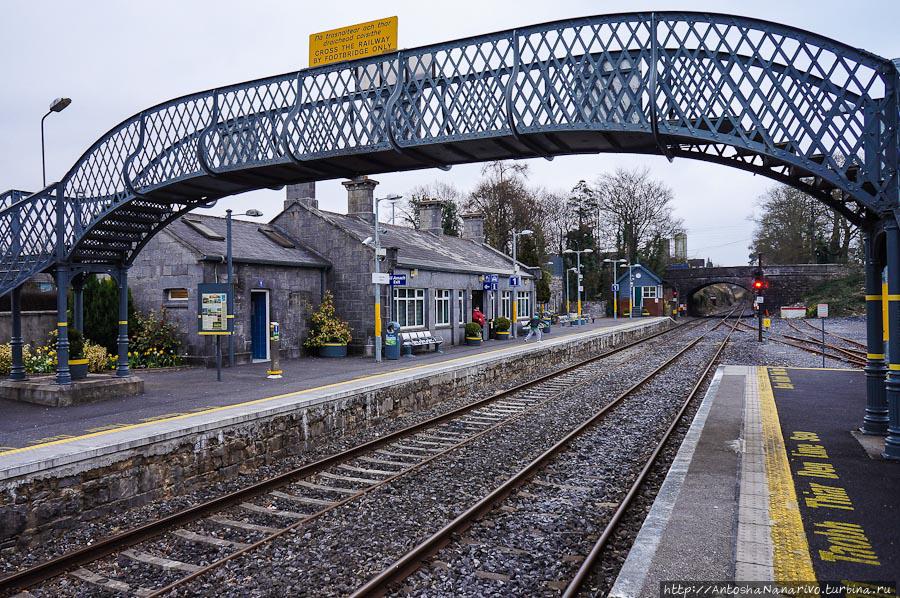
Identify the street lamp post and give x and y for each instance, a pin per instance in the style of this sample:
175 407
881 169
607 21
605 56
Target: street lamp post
377 285
630 291
57 105
615 286
229 269
514 299
568 292
578 253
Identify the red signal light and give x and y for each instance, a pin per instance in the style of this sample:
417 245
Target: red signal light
758 284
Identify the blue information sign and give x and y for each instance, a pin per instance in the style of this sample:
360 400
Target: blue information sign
398 280
515 281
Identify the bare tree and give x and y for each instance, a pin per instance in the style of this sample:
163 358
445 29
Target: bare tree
447 194
635 214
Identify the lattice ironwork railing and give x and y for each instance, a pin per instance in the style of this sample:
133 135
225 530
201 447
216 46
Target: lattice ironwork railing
790 104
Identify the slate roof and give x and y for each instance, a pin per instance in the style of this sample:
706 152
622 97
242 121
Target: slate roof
248 244
428 251
646 275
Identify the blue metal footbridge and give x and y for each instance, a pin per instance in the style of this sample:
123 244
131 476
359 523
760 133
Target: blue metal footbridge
775 100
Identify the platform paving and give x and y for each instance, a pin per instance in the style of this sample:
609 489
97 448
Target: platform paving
771 484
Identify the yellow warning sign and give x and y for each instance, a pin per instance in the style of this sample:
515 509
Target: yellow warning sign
356 41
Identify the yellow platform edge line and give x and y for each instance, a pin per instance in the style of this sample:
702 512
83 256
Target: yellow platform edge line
286 395
790 559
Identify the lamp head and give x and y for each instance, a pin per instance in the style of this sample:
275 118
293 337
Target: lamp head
526 232
568 251
59 104
253 213
588 250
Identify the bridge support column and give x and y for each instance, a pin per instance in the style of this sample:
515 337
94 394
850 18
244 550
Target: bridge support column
78 303
62 326
876 419
122 369
17 369
892 386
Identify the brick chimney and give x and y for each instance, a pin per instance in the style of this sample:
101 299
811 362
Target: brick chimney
473 227
361 198
431 215
304 193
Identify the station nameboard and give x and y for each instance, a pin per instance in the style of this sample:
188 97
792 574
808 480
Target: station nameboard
354 41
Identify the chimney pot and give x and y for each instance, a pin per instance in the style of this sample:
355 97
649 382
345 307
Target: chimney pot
361 198
431 216
304 193
473 227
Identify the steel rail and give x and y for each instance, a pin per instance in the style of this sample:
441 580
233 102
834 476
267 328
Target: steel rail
411 561
829 333
586 566
59 565
852 359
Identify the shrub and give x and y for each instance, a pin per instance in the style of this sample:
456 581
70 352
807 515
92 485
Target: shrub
97 357
5 360
502 324
473 330
155 334
326 327
76 343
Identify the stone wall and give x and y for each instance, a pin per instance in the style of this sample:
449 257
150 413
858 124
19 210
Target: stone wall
36 506
35 326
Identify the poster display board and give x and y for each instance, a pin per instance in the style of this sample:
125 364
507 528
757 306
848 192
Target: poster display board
212 314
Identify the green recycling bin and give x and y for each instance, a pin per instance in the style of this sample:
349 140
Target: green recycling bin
392 341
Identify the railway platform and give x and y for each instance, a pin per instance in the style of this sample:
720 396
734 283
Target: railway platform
773 484
188 431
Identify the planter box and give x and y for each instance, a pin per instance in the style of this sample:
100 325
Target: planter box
78 368
501 335
333 350
472 341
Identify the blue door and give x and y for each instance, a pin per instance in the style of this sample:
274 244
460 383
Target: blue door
259 324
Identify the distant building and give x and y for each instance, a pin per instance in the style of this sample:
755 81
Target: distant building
642 288
679 249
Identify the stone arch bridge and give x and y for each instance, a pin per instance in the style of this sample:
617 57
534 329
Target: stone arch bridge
787 283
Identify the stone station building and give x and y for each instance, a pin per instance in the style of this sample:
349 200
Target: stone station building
283 268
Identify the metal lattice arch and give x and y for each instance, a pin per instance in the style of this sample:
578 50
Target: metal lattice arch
774 100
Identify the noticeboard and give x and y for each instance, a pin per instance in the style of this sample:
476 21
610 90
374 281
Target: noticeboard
822 310
353 41
212 308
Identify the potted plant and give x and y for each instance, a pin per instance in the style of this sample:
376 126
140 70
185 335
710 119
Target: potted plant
328 334
78 364
473 334
501 328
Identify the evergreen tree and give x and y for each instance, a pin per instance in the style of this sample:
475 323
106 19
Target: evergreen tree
101 312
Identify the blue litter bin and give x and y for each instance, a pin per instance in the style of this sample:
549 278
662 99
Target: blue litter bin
392 341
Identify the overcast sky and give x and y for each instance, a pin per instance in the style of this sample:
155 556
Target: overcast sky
114 58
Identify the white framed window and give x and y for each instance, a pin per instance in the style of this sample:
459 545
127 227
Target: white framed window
648 292
176 294
506 304
409 307
442 307
461 311
523 304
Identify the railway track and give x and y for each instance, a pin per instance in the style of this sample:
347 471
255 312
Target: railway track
565 469
220 530
812 345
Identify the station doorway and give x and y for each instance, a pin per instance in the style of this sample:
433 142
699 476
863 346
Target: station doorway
259 325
